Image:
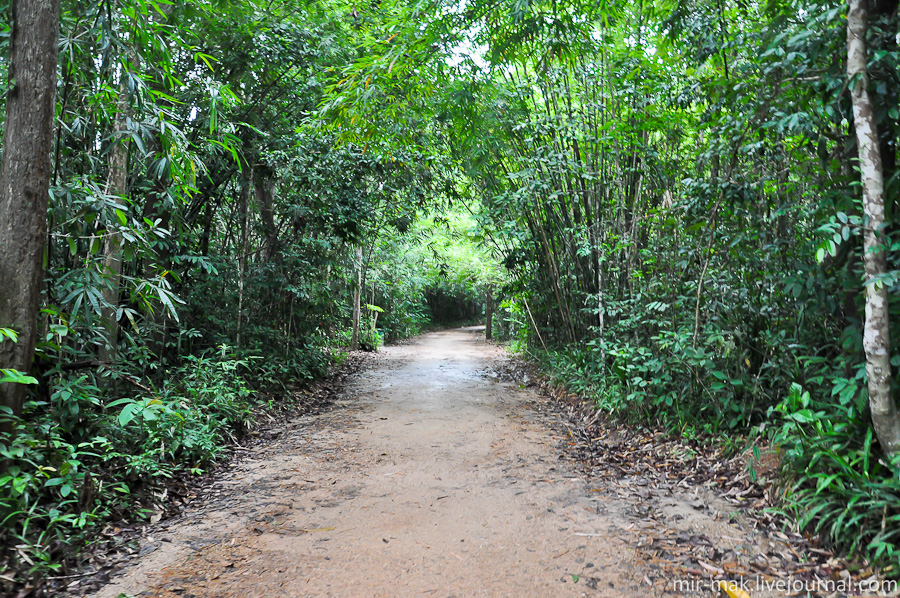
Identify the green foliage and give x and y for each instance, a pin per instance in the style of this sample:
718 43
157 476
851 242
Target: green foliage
75 462
457 268
16 377
672 194
41 492
9 375
205 403
835 483
660 199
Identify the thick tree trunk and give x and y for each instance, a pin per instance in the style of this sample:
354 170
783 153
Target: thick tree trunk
25 181
876 335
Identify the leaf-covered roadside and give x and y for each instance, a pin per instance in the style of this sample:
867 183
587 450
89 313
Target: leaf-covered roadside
744 482
209 247
694 205
106 539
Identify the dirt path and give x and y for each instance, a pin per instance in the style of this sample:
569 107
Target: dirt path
430 478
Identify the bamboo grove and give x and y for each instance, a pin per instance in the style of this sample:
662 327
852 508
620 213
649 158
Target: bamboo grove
663 202
208 248
675 190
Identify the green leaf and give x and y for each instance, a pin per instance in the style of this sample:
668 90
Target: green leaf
867 449
19 484
804 416
128 414
16 377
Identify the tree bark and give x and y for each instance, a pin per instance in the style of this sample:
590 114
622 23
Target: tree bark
876 333
357 294
25 181
489 314
262 184
116 185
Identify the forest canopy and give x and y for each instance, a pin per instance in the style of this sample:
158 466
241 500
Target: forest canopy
683 210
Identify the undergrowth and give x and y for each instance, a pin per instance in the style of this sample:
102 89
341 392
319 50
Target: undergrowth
86 457
835 482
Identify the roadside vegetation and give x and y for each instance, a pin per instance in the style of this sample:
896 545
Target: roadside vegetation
685 210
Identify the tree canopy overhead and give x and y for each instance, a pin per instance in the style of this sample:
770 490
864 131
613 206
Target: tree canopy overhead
685 210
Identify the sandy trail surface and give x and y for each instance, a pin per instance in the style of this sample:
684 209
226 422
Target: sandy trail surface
430 477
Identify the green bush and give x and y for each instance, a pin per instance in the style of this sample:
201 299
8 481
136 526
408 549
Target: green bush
46 498
835 482
75 462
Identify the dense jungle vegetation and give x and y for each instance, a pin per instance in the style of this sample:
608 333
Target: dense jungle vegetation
685 210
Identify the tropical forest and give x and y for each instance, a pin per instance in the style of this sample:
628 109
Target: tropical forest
449 298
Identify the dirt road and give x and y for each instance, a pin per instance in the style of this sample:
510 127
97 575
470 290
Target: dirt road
430 478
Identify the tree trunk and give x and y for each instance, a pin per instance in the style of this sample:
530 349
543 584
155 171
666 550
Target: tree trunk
242 259
489 314
357 308
116 183
262 184
876 334
25 181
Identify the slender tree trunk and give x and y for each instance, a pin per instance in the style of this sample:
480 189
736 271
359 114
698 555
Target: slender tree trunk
242 259
533 323
876 333
263 185
25 181
489 314
712 232
116 183
357 293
